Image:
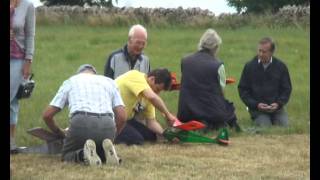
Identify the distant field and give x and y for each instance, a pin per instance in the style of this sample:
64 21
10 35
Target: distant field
60 50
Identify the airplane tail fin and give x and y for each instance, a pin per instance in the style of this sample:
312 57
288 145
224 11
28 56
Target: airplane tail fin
223 137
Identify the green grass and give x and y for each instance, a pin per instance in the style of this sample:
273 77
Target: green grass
250 158
61 49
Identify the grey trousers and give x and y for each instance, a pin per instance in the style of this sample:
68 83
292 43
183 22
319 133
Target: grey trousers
264 119
83 127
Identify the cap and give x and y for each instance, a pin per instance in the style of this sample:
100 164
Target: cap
85 67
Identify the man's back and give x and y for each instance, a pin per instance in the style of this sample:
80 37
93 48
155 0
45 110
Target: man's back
89 92
200 94
131 84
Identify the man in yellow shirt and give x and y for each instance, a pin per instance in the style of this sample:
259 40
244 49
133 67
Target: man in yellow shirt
137 87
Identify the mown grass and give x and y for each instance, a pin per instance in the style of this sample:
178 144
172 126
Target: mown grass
250 158
61 49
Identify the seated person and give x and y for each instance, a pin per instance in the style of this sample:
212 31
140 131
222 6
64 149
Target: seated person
265 86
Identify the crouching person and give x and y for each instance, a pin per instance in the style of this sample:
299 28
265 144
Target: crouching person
97 115
137 87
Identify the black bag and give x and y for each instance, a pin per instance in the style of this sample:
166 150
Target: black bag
26 88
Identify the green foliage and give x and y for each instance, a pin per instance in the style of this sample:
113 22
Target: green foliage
262 6
104 3
68 15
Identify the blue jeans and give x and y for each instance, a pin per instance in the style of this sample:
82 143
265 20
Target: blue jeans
15 80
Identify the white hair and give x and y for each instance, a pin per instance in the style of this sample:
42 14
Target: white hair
210 40
135 28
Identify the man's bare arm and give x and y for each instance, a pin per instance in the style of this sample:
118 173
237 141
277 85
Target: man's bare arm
120 118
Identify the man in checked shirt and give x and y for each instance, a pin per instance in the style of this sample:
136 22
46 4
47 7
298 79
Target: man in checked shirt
97 115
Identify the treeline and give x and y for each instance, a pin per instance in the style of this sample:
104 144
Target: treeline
161 17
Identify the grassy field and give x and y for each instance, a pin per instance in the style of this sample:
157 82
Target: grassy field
275 153
260 157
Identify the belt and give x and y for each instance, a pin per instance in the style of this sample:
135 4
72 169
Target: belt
91 114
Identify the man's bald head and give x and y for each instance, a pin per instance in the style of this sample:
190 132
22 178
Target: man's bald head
138 31
137 40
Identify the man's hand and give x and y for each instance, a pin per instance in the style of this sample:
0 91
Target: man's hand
175 140
264 107
273 107
26 70
171 119
61 132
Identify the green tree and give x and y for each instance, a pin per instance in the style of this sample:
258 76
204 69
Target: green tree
261 6
104 3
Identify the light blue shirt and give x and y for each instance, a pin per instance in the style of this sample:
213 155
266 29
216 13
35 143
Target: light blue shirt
89 93
222 76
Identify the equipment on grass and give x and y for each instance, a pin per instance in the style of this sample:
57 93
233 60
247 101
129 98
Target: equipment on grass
53 143
190 125
193 137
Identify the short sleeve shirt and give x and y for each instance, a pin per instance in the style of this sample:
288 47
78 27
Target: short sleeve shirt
131 84
88 92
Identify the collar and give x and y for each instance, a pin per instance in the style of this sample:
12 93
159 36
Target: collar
268 63
126 53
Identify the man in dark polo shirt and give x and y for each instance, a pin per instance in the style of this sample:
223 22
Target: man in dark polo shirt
265 86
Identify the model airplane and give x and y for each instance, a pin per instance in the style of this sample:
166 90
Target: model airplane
184 132
190 125
193 137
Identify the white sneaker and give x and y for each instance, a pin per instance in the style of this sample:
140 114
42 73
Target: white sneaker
110 152
90 155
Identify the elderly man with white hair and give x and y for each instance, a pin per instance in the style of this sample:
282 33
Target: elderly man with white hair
203 80
131 57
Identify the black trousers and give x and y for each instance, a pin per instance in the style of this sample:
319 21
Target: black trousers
135 132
